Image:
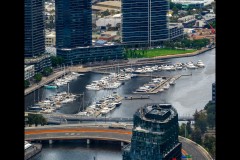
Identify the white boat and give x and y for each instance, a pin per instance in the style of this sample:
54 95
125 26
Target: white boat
166 86
190 65
200 64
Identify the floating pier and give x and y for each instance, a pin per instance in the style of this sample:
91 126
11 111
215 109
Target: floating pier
160 86
136 98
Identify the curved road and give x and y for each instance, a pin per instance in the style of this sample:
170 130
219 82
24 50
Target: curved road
102 132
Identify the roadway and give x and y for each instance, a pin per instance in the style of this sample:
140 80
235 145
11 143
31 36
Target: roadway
102 132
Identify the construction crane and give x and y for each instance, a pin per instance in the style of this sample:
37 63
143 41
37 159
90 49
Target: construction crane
212 29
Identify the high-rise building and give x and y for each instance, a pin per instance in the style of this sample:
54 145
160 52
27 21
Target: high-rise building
154 134
73 23
34 41
144 21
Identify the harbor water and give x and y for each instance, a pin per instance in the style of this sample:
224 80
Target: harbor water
190 93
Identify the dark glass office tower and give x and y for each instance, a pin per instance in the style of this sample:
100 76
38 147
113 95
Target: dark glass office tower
144 21
73 23
154 134
34 36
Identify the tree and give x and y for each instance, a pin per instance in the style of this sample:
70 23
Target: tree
196 135
38 77
210 143
36 119
188 127
26 83
182 130
201 122
56 60
47 71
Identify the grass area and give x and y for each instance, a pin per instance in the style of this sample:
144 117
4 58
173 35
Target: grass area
156 52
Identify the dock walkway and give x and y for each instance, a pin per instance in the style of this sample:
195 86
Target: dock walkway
159 87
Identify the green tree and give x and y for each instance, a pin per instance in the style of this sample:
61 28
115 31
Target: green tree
201 122
196 135
182 130
47 71
38 77
188 128
56 60
210 143
26 83
36 119
211 120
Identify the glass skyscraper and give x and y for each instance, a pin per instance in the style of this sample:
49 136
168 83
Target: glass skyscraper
154 134
144 21
73 23
34 35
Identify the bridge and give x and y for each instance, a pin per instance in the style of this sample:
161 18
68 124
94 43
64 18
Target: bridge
63 118
102 132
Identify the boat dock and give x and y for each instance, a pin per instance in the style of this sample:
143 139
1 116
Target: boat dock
136 98
34 150
97 113
45 81
160 86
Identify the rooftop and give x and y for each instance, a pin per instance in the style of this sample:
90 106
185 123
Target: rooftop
157 112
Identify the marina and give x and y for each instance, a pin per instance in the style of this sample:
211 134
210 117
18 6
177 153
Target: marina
103 106
190 93
157 85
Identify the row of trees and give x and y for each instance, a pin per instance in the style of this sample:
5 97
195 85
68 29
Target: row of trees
36 119
187 43
133 53
38 76
204 120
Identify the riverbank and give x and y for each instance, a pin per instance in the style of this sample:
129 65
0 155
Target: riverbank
55 75
151 53
178 55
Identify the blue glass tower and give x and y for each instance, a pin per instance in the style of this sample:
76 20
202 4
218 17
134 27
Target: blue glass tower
154 134
73 23
144 21
34 41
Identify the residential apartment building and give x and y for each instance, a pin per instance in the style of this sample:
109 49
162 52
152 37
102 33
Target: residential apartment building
73 23
144 21
34 28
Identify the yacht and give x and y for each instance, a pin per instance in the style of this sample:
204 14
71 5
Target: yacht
200 64
190 65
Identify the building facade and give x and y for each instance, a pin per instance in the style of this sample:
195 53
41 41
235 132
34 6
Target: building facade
73 23
50 39
144 21
28 72
80 55
187 21
154 134
34 28
175 30
39 62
